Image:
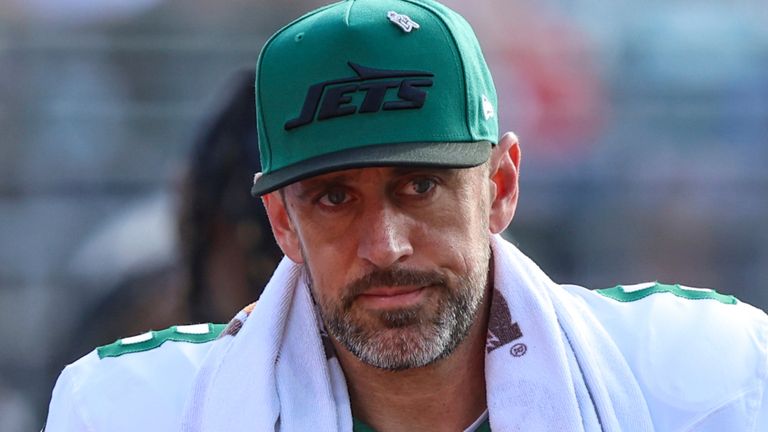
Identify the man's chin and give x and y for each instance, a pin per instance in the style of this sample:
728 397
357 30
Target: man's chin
400 319
396 346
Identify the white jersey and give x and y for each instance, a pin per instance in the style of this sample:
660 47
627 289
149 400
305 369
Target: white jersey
700 358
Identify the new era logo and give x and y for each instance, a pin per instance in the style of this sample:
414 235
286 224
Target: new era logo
488 111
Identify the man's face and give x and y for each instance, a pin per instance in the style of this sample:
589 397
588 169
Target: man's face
397 258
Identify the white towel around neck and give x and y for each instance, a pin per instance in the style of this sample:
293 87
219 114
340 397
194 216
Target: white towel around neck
549 364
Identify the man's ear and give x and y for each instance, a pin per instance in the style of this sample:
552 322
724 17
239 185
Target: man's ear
504 166
282 226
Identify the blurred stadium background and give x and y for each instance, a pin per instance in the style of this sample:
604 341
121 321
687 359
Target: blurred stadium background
644 129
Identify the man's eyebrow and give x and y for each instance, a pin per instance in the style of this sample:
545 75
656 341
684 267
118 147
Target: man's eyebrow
309 187
406 170
306 188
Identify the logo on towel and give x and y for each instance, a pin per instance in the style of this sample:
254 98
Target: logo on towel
236 324
501 329
518 349
233 328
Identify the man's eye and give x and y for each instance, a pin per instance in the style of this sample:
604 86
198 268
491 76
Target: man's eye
334 198
419 186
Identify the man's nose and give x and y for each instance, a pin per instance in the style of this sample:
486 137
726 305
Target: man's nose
385 236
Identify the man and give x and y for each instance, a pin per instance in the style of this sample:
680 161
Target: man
398 306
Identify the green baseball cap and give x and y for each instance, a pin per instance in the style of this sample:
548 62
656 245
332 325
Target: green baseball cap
363 83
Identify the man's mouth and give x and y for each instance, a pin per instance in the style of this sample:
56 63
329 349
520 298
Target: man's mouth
392 297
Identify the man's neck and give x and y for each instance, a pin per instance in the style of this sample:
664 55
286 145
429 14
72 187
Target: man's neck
447 395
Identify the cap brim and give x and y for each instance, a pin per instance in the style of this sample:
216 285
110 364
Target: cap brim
446 155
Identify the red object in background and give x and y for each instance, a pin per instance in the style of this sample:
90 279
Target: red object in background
549 89
563 104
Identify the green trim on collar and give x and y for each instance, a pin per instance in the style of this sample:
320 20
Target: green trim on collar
358 426
484 426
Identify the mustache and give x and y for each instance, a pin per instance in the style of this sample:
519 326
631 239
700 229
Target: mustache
392 277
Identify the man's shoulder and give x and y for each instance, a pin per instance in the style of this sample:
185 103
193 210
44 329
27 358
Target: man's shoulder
679 308
692 350
149 375
655 318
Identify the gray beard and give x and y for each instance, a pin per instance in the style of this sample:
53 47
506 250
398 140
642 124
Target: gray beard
408 338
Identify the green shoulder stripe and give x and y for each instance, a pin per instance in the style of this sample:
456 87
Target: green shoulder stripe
195 333
620 293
